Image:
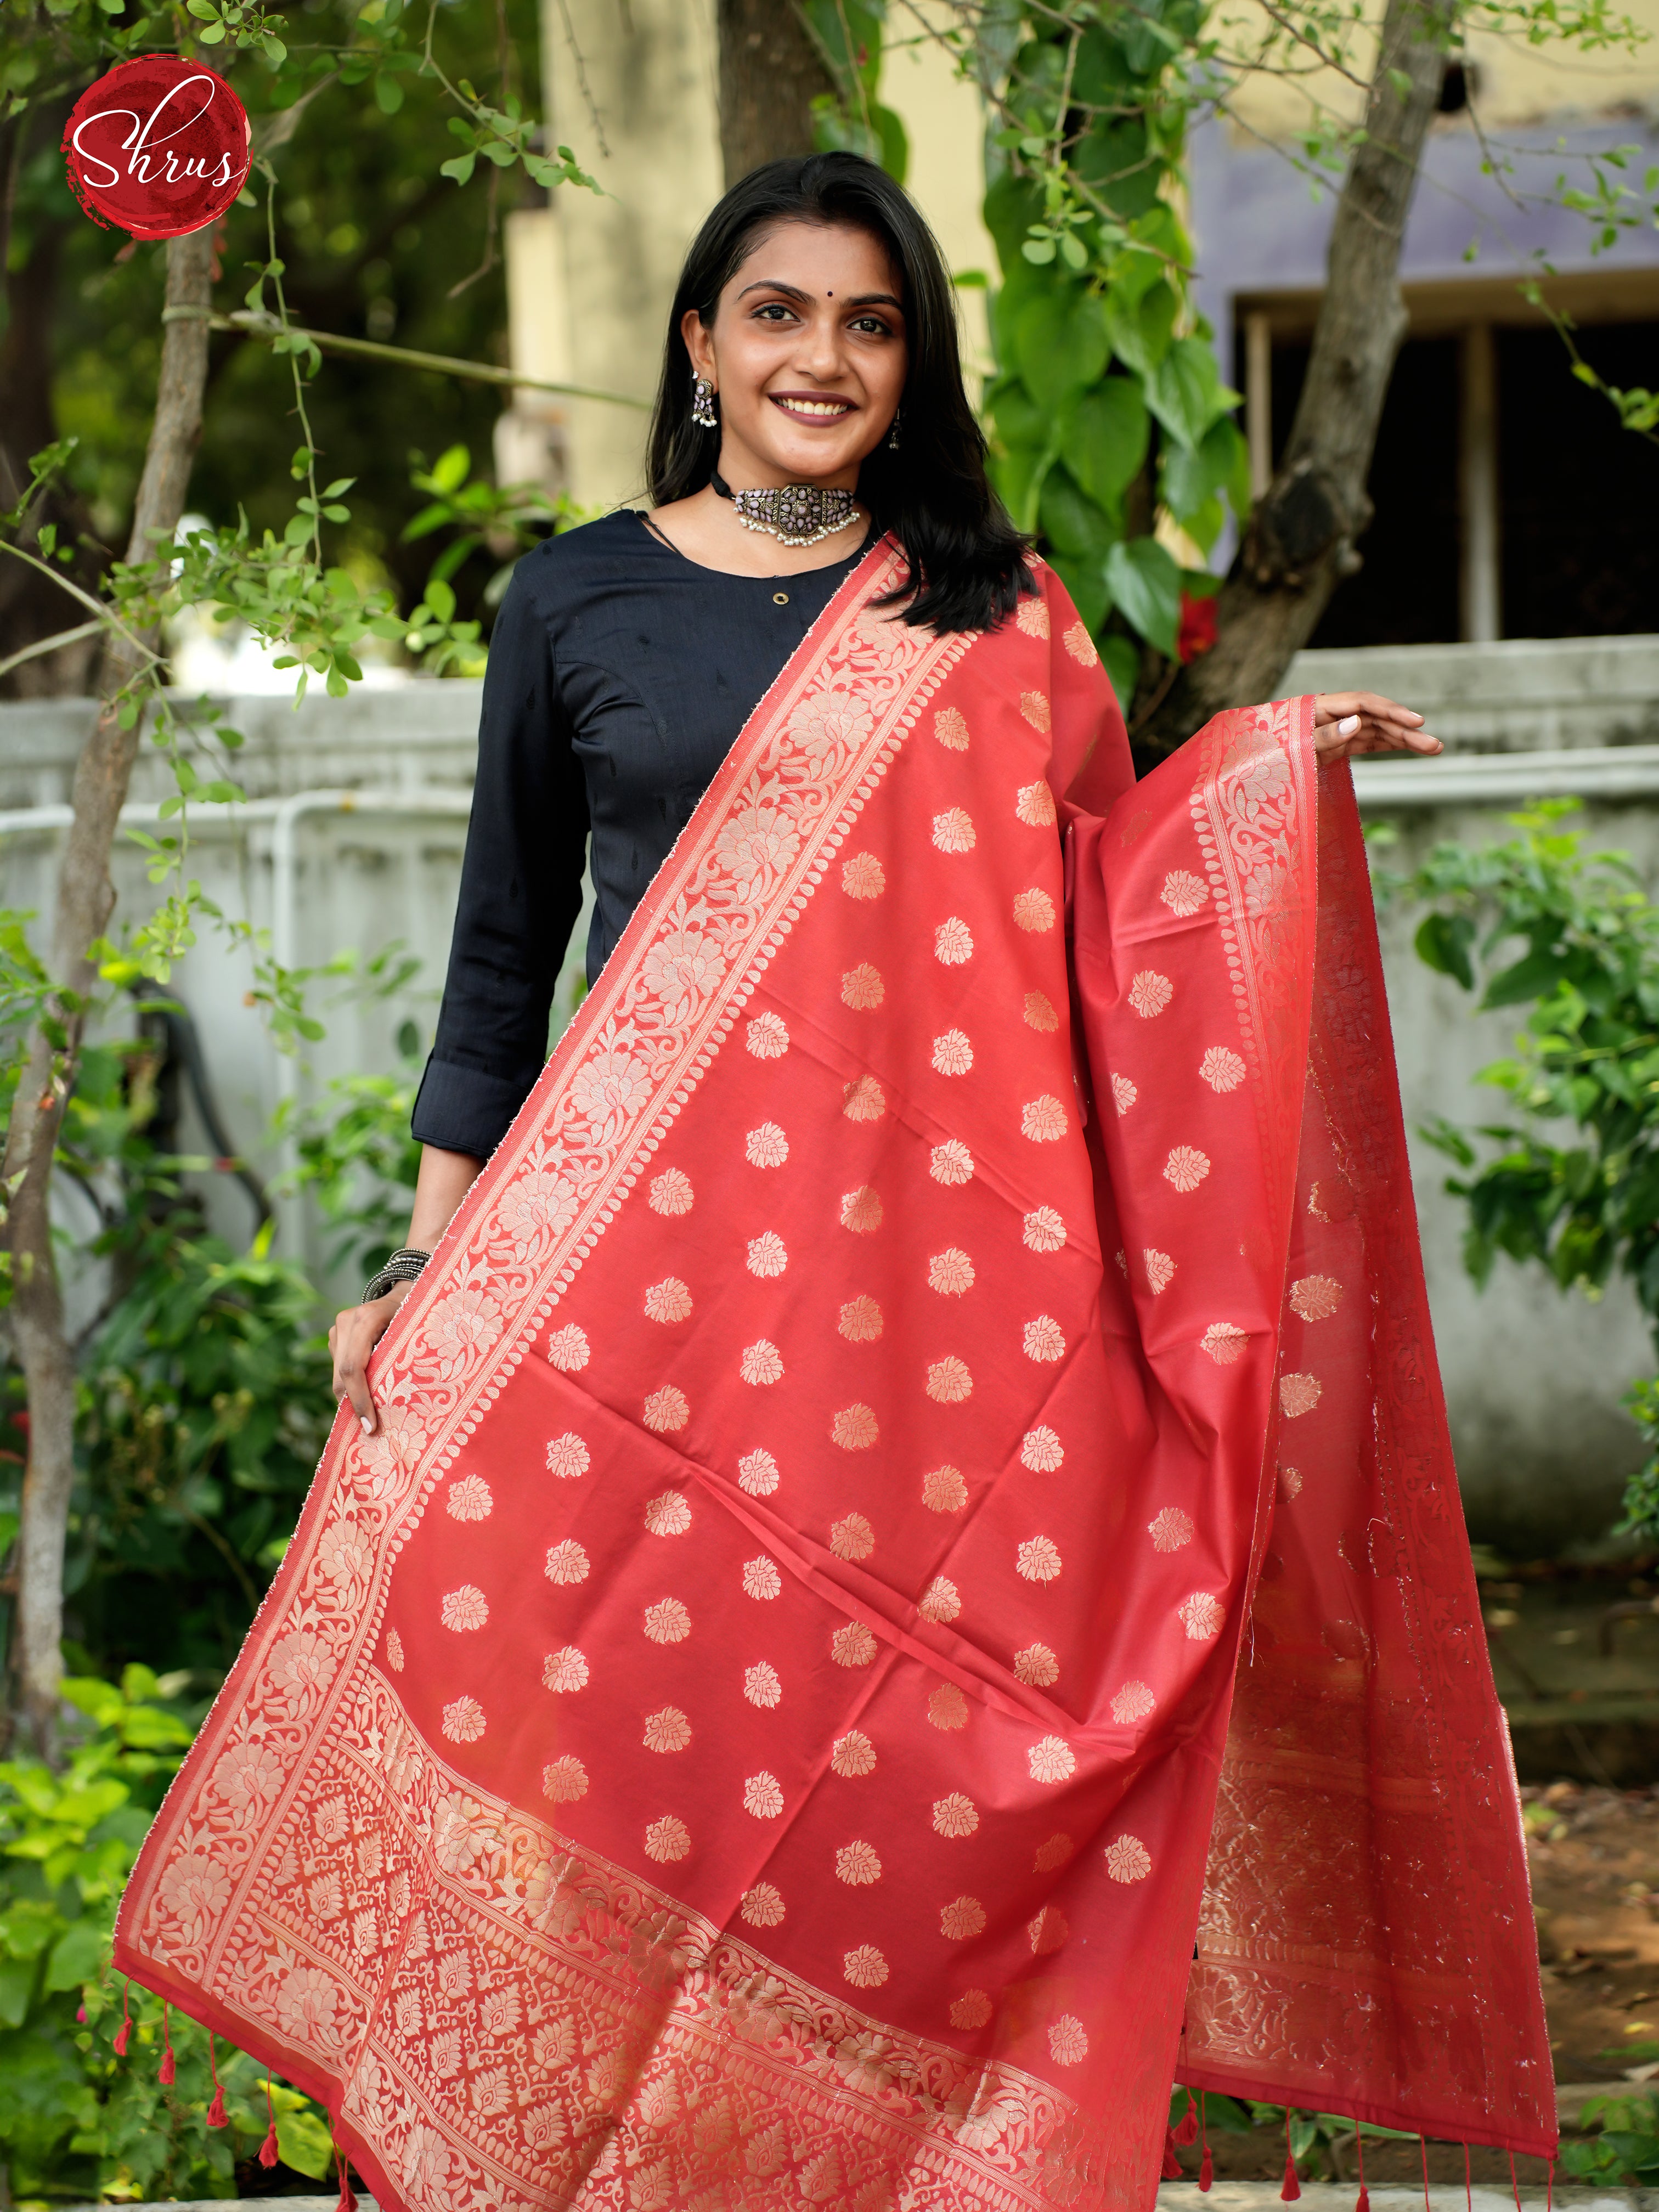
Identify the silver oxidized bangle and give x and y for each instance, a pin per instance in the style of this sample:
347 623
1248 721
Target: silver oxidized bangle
402 1267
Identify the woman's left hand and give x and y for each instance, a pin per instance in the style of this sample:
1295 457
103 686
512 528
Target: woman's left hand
1347 722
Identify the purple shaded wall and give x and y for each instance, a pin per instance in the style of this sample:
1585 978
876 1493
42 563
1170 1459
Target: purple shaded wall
1257 229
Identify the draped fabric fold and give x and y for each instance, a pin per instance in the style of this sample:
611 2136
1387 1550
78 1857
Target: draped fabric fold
942 1338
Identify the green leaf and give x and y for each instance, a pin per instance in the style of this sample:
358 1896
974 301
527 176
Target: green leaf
304 2144
1103 436
442 600
1443 943
1192 475
1146 585
1118 159
1086 583
1072 524
388 94
1101 76
1123 667
895 141
77 1956
1018 477
1012 204
1061 344
451 470
460 169
1020 420
1186 392
17 1987
1139 323
1539 972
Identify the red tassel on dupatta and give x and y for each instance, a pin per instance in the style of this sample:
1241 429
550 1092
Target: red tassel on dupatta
1171 2163
348 2201
165 2071
124 2034
1187 2131
216 2115
269 2152
1362 2202
1292 2187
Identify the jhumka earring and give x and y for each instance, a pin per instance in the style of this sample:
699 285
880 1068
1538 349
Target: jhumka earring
702 403
893 440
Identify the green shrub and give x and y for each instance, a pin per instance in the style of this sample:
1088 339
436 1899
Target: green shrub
204 1399
356 1153
75 2120
1572 936
204 1405
1626 2149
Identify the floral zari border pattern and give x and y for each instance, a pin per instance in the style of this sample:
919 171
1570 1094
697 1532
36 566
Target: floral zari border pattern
1252 806
335 1893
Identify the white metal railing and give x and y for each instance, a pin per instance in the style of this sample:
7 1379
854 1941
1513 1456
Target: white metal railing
284 815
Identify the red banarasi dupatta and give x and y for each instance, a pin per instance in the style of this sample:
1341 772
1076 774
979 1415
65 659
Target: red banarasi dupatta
915 1484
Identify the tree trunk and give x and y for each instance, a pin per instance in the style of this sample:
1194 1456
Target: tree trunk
86 896
770 74
1300 542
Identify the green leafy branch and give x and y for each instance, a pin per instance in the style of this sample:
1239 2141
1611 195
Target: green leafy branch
1112 431
1638 409
69 2103
1537 921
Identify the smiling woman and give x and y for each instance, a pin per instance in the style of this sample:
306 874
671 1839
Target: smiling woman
812 345
804 375
812 364
864 1354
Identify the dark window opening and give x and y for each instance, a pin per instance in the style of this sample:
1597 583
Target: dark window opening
1455 87
1576 493
1406 591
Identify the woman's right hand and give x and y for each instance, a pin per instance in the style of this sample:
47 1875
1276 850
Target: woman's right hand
442 1183
355 1335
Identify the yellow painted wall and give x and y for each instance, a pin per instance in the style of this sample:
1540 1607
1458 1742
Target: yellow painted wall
590 278
945 121
1516 83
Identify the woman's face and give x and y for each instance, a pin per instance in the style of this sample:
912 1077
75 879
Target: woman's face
807 352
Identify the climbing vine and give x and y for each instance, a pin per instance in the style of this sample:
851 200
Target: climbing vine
1115 439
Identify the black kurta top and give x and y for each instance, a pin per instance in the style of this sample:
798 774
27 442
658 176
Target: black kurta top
620 672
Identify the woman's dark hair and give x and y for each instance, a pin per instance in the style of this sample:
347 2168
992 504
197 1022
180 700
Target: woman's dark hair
967 559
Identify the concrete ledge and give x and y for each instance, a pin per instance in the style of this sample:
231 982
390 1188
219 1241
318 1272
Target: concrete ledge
1514 696
1454 778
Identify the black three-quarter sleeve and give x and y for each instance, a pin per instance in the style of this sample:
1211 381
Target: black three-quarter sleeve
521 889
619 673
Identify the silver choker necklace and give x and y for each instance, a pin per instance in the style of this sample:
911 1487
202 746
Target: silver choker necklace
795 514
